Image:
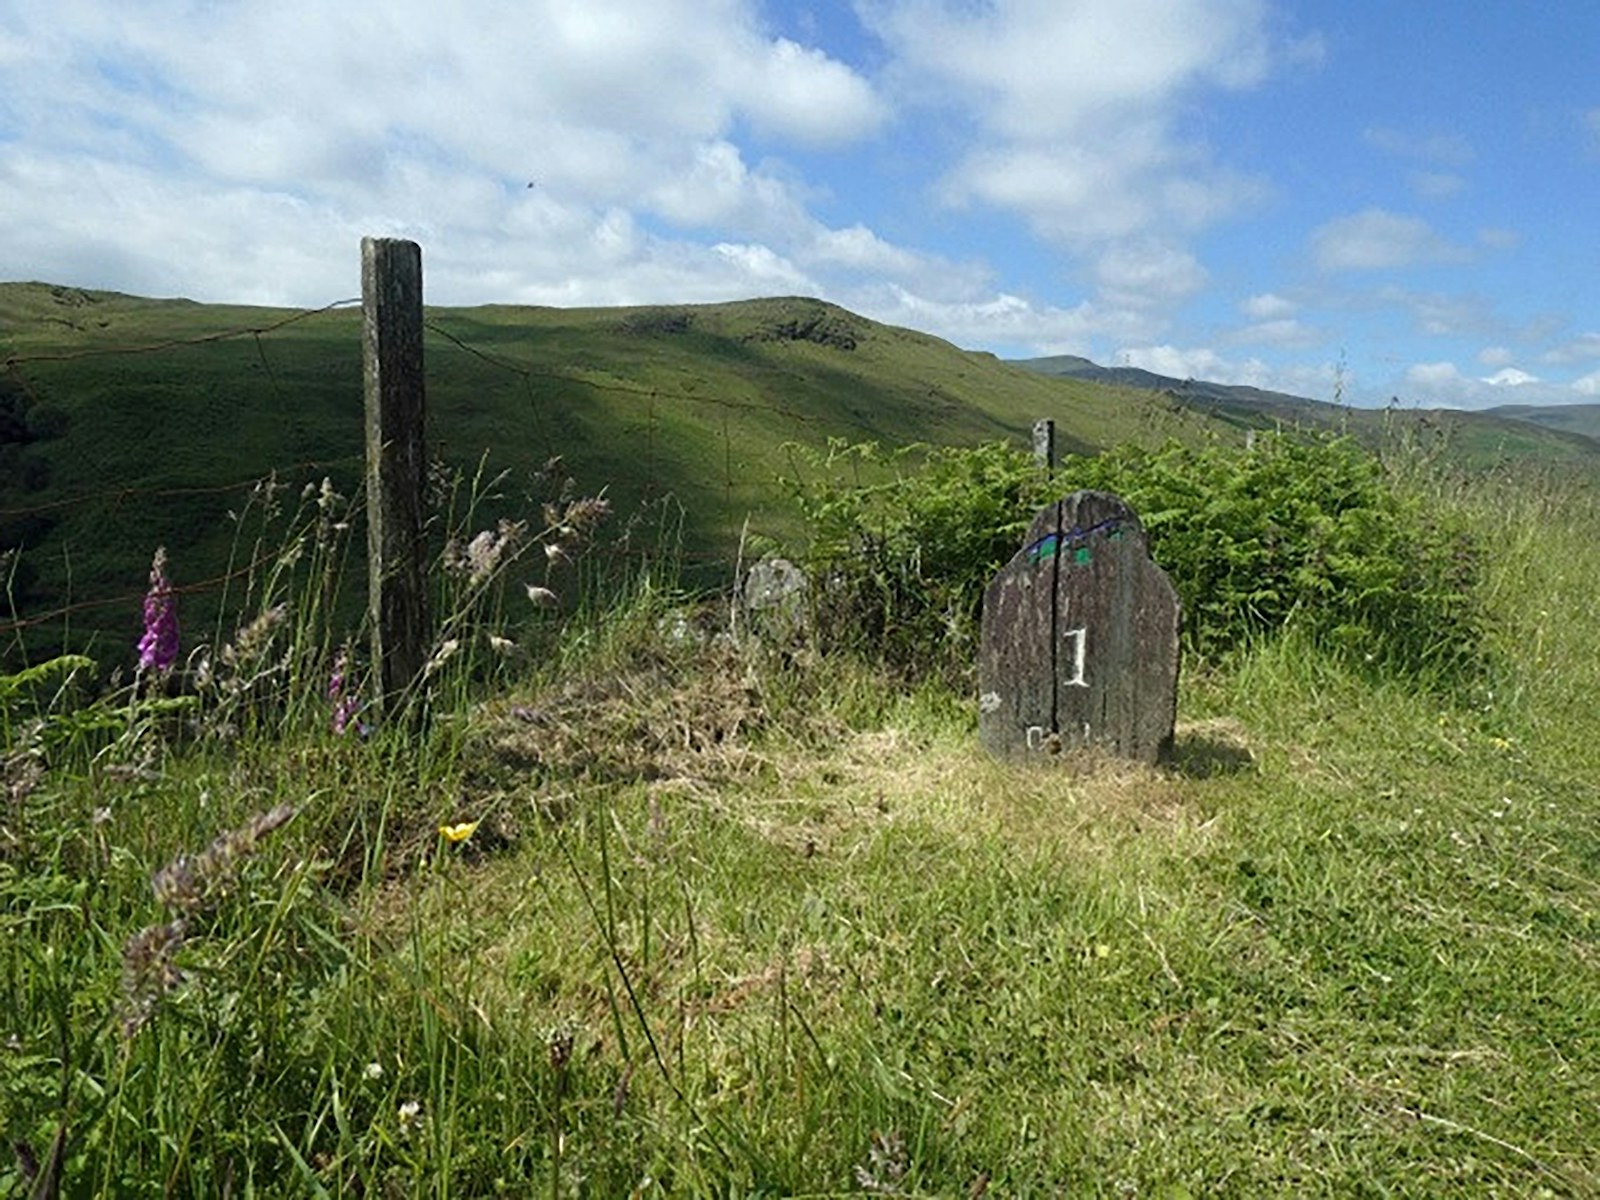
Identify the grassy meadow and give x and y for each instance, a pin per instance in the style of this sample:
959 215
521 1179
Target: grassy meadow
641 910
623 905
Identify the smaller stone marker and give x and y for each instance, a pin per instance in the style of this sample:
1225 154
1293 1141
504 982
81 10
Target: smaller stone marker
772 603
1080 639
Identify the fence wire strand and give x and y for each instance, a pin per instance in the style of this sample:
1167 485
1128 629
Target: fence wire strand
534 380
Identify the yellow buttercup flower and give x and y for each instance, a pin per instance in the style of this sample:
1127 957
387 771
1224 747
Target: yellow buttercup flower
458 833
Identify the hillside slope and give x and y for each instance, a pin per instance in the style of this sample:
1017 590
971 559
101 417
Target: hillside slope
127 422
1570 418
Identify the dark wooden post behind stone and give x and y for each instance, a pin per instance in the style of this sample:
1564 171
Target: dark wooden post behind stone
391 297
1080 638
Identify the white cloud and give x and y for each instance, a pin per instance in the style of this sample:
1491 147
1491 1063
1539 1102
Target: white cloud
1510 377
1145 271
770 271
1073 109
1435 375
1198 363
1286 332
1375 239
1044 69
1444 149
1268 306
239 152
1004 319
713 188
1583 348
1496 356
1436 185
800 93
858 248
1444 314
1443 385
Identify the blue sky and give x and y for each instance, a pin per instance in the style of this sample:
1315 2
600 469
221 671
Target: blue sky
1352 198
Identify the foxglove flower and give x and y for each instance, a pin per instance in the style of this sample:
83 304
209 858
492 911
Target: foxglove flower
343 694
158 648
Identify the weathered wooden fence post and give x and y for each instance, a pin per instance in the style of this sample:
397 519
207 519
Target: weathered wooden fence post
1080 639
391 298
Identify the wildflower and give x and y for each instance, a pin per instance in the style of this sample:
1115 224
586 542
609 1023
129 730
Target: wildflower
158 648
410 1115
344 710
337 679
374 1070
342 694
501 645
542 597
459 833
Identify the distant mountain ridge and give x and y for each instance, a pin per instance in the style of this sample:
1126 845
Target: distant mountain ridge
1226 396
1569 418
1222 399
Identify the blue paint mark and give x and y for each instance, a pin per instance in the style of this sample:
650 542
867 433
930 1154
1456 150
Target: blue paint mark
1075 539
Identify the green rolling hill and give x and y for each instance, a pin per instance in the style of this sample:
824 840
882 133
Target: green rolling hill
128 422
1569 418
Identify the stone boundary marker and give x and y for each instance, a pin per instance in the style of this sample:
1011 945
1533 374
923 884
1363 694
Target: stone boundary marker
1080 639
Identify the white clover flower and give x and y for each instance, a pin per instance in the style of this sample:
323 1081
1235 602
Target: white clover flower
410 1114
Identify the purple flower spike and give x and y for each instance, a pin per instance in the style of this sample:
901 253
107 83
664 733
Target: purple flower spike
344 694
336 680
158 648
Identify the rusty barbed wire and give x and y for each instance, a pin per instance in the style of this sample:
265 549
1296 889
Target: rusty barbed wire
222 335
530 374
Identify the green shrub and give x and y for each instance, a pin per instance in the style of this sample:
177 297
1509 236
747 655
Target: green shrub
1291 530
903 544
1304 531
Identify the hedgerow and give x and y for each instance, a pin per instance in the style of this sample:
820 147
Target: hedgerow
902 544
1291 530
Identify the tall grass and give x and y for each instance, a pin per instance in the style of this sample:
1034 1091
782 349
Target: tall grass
731 922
